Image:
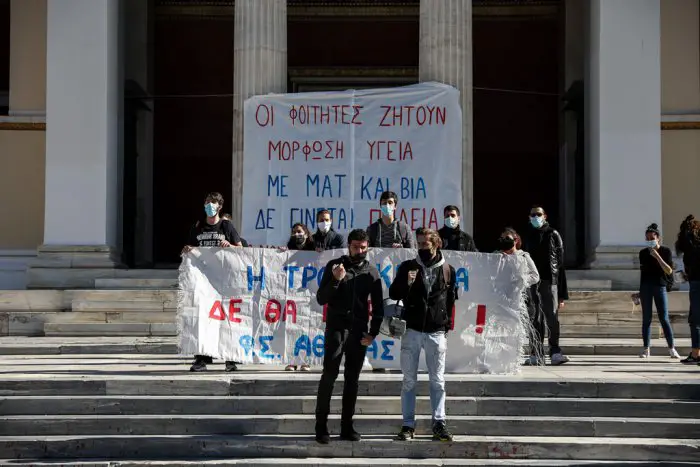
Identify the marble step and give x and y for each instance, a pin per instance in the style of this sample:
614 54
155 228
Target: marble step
371 425
367 405
295 446
125 283
162 328
279 383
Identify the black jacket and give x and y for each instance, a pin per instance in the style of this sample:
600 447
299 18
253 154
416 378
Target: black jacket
308 245
456 240
347 299
691 259
547 251
426 310
329 241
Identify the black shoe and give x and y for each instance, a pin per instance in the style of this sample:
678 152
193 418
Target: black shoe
406 433
231 366
348 433
380 370
322 435
440 433
198 366
689 360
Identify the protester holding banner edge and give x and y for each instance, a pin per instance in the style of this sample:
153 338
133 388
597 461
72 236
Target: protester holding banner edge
427 286
347 284
325 238
215 231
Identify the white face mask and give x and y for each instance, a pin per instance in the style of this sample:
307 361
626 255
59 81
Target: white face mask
451 222
324 227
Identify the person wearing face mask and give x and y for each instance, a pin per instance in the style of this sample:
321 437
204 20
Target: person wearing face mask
325 238
546 248
427 286
346 285
300 238
510 244
388 231
454 238
656 266
688 244
213 232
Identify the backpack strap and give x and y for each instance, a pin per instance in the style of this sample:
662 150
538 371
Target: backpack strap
403 232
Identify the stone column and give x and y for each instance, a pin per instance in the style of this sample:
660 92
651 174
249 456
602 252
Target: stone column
624 108
259 67
446 56
82 145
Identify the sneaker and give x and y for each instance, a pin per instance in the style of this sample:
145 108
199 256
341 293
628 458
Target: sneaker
690 360
646 353
290 368
534 360
673 353
322 435
559 359
348 433
198 366
440 433
406 433
231 366
305 368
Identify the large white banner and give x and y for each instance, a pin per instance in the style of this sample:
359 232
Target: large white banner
257 305
340 150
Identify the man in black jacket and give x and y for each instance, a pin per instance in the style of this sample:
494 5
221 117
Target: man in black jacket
546 248
346 285
427 287
453 237
325 238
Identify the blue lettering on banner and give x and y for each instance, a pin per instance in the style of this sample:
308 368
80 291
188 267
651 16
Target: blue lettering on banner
324 187
319 276
247 343
308 275
279 183
252 278
290 270
412 188
384 273
386 354
379 185
462 277
265 346
373 350
319 346
264 219
303 343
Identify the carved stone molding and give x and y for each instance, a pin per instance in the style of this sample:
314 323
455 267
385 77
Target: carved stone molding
22 126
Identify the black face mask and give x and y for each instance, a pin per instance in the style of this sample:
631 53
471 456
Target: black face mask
425 255
506 243
358 258
299 240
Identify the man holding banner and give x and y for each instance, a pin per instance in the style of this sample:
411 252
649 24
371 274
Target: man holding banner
347 284
427 286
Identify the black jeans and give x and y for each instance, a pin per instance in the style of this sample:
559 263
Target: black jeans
549 301
534 310
339 342
207 359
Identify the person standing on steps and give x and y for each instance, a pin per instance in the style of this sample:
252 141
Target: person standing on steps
347 284
213 232
427 286
656 266
325 238
453 237
546 248
688 244
389 232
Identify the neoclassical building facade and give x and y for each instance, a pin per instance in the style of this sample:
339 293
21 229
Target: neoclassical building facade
117 116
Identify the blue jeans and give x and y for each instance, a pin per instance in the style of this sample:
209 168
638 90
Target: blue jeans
435 346
657 294
694 315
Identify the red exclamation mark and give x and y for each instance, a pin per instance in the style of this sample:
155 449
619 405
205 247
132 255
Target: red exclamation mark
480 318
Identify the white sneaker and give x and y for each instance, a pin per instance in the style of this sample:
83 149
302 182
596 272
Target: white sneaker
533 360
559 359
673 353
646 353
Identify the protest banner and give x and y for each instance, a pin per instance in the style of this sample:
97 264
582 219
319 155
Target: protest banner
255 305
340 150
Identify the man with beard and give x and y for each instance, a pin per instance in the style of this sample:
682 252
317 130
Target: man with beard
347 283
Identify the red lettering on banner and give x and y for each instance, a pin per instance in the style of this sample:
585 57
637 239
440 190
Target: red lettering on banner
305 150
273 310
411 115
480 318
314 114
325 312
390 150
217 311
290 308
265 115
233 309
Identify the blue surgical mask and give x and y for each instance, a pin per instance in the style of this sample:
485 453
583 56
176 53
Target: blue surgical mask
536 221
451 222
651 243
387 209
211 209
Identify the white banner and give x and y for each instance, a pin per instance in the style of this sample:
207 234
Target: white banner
257 305
340 150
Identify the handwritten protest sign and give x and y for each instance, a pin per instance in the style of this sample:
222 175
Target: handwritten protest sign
259 306
340 150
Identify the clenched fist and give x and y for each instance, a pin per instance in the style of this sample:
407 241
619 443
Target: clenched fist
412 276
339 272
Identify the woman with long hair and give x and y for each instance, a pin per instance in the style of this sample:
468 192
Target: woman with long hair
656 266
688 244
300 239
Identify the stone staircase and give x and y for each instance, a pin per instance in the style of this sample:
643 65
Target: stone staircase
101 409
